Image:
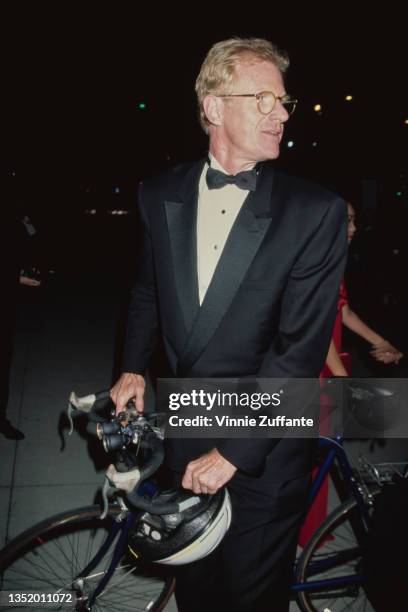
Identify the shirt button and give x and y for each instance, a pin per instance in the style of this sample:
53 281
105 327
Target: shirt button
215 247
223 212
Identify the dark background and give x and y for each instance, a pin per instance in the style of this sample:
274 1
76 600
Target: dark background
73 81
75 138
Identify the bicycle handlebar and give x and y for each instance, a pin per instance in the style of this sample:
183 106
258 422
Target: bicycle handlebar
120 432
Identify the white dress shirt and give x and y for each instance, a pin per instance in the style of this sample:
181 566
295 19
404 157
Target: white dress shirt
217 211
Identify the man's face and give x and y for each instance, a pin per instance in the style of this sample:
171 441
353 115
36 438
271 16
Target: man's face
246 133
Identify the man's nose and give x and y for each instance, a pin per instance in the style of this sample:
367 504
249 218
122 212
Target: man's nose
277 123
279 113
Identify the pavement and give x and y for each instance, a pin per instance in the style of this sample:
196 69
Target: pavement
66 339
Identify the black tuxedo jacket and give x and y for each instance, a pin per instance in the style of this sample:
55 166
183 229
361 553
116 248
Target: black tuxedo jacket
270 307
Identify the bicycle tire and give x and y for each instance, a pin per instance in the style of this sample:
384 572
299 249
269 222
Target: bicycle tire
334 540
48 556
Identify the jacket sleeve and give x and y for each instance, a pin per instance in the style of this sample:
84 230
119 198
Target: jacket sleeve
306 322
309 302
142 324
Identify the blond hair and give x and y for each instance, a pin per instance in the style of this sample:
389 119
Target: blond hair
217 70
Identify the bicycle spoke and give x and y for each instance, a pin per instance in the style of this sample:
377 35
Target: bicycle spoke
117 582
343 554
52 557
56 559
47 571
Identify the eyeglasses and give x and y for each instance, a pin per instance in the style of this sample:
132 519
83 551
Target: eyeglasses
266 101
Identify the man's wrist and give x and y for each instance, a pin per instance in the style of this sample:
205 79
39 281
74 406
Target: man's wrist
132 374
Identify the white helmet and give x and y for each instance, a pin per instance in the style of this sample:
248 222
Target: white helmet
186 536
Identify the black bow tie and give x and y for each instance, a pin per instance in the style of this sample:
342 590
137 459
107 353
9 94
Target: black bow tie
244 180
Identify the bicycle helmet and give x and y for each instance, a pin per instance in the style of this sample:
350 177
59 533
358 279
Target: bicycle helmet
186 536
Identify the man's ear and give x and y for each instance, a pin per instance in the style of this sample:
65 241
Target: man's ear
213 109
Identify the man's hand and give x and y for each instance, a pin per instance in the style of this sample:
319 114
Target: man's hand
208 473
129 386
29 282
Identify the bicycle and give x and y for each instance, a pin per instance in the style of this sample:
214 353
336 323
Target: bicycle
79 553
329 573
85 552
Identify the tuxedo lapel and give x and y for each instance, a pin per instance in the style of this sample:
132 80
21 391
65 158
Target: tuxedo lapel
181 215
240 249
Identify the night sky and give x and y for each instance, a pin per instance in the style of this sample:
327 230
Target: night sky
74 79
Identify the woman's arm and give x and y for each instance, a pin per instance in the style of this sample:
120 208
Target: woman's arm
357 325
382 350
334 362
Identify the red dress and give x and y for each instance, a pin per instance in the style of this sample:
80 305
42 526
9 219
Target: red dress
337 336
318 511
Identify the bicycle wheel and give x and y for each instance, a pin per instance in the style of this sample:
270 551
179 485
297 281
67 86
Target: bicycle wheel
334 553
50 555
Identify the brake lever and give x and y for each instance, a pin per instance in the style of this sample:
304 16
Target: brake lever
70 412
107 491
84 404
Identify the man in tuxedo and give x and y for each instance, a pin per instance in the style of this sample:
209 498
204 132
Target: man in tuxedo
240 273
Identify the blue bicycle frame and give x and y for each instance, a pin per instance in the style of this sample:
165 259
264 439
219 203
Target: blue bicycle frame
347 487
